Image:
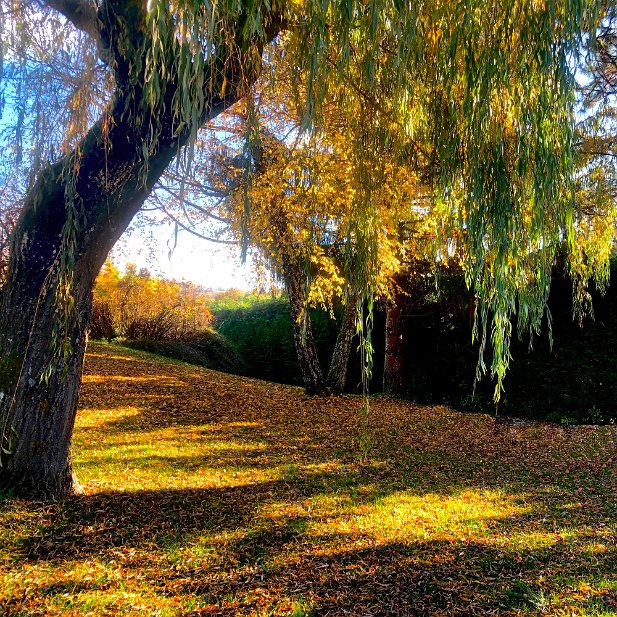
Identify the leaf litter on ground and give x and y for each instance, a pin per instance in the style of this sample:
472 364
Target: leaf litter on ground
212 494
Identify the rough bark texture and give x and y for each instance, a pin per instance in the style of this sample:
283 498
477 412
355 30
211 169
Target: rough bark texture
394 375
303 333
37 414
337 375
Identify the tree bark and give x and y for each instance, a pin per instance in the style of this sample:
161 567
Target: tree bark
394 374
111 179
303 334
337 375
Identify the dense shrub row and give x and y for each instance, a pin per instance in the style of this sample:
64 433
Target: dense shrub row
261 332
572 381
262 335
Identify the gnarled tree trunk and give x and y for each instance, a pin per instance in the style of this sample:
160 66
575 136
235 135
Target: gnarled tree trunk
37 414
303 334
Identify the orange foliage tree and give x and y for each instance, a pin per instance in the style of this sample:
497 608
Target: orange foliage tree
137 305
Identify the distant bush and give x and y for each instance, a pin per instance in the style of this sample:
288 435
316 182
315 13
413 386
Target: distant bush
237 299
102 321
208 349
136 305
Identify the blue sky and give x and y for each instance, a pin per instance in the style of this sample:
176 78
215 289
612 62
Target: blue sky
212 265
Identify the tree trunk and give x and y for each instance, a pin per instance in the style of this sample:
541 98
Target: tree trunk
337 375
294 276
42 340
394 374
38 408
303 333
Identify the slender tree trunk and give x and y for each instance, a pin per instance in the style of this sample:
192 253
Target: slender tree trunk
41 351
294 276
337 375
303 334
394 374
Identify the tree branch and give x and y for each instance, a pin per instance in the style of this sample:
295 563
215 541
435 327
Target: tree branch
193 231
190 203
83 14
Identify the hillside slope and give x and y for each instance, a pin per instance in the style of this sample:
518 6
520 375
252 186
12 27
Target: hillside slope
211 494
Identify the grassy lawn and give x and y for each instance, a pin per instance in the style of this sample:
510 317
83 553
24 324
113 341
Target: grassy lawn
209 494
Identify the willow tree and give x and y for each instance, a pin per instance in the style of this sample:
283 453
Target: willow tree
164 88
489 82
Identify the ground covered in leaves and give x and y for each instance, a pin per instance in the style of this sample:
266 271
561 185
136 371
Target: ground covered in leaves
210 494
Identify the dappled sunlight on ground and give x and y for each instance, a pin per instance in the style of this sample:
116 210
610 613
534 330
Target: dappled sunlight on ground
208 493
107 379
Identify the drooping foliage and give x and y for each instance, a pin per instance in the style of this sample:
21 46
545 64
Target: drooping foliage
291 196
486 88
595 214
478 96
51 90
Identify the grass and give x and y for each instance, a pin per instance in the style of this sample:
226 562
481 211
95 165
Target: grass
210 494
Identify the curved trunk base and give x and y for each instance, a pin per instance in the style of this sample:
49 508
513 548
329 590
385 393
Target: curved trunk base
37 412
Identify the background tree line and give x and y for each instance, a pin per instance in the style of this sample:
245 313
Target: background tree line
568 380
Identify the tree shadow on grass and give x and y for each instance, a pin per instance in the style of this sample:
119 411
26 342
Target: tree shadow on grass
281 423
453 515
255 557
285 540
417 578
